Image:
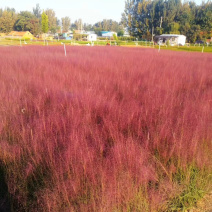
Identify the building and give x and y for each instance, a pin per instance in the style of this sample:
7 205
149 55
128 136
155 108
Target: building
20 35
108 34
69 37
2 34
170 39
92 37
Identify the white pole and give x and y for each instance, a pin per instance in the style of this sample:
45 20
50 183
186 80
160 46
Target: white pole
202 49
159 48
65 49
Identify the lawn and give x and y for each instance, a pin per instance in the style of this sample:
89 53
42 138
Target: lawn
138 44
207 49
104 129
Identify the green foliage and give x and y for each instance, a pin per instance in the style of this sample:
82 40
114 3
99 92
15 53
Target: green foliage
144 18
79 36
37 11
115 37
107 25
23 22
7 20
44 22
174 28
52 20
120 33
66 23
194 182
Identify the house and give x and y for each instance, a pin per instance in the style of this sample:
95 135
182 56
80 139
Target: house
172 39
69 37
2 34
108 34
92 37
65 35
20 35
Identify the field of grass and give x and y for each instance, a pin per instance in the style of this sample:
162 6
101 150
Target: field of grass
7 42
104 129
187 48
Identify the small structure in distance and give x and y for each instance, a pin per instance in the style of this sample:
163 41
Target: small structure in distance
92 37
171 39
20 35
108 34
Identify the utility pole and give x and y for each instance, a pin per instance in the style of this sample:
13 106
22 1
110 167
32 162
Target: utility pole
152 32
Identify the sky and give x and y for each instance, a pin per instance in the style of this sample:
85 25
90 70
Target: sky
91 11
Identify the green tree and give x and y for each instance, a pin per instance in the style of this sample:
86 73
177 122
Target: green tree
35 26
66 23
79 24
44 22
23 22
37 11
7 21
52 20
193 34
174 28
120 33
204 18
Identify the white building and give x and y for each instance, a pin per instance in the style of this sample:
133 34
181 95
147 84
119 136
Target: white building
108 34
89 32
92 37
171 39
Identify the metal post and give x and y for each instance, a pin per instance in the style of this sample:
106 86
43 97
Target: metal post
65 49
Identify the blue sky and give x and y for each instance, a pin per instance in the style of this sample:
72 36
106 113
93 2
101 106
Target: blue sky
91 11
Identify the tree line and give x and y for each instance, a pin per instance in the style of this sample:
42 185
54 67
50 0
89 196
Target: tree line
39 21
146 18
32 21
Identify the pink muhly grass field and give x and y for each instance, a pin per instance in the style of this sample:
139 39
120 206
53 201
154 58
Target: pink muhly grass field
103 129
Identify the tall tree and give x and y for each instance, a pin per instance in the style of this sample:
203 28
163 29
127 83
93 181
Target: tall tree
204 18
79 24
37 11
7 21
35 26
44 23
52 20
66 23
1 12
